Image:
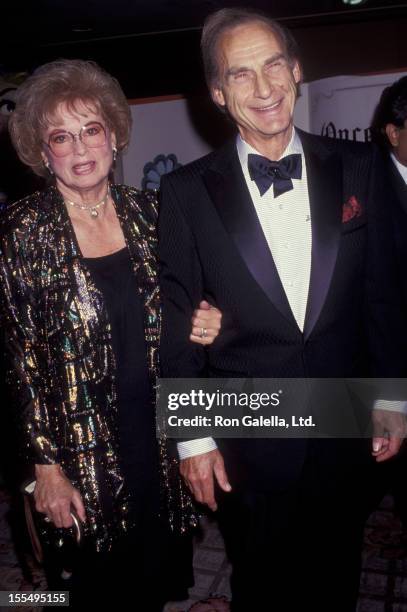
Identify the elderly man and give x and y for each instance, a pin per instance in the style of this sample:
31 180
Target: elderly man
286 233
389 130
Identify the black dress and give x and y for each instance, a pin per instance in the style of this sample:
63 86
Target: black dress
148 562
113 275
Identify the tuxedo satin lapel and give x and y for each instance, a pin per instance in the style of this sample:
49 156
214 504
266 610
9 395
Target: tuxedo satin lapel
227 187
324 174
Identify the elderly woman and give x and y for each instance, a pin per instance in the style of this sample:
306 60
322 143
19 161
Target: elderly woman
81 314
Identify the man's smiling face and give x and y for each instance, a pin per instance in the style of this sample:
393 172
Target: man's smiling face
258 83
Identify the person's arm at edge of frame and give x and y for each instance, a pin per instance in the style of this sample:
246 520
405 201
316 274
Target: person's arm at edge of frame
388 331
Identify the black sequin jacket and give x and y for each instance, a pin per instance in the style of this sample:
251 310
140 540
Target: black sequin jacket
60 357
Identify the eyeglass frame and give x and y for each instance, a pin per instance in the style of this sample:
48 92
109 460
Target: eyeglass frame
74 138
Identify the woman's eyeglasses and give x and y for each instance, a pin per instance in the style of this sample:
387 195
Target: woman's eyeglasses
62 143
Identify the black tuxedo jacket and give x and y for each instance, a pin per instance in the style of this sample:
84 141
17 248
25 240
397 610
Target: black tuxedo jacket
212 245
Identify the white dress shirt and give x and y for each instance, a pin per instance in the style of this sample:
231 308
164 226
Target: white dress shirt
400 167
286 224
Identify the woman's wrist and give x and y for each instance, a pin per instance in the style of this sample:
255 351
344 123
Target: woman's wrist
46 470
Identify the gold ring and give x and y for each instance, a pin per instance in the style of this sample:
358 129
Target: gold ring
203 332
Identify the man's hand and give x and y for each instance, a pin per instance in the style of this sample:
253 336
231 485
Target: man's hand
198 473
54 495
390 429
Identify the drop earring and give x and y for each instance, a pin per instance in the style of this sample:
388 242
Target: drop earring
114 154
48 167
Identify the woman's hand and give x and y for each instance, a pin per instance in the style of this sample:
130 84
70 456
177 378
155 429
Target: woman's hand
54 495
206 323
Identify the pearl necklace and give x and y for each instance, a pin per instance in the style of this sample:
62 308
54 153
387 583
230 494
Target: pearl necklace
93 209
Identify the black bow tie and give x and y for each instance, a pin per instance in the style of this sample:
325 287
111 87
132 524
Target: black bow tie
266 172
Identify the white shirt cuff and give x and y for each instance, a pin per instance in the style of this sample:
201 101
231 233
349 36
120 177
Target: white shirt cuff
195 447
392 405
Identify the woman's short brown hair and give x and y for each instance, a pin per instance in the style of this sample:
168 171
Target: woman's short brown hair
66 81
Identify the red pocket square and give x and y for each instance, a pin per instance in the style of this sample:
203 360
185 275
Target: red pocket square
351 209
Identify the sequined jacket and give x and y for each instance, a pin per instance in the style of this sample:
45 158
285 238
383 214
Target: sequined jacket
59 351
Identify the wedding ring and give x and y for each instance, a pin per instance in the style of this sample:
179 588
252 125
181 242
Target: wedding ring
203 332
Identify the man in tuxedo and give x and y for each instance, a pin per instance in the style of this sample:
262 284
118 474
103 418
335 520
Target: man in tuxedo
287 233
389 131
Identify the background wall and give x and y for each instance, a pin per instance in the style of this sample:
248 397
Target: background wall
343 107
162 127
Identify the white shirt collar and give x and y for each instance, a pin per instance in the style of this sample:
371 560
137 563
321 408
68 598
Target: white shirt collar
400 167
243 148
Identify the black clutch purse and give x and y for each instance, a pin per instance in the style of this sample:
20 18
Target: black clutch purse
40 529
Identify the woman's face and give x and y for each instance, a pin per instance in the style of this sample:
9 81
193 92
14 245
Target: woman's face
82 162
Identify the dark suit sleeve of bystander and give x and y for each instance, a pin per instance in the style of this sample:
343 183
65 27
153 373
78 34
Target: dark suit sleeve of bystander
387 320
